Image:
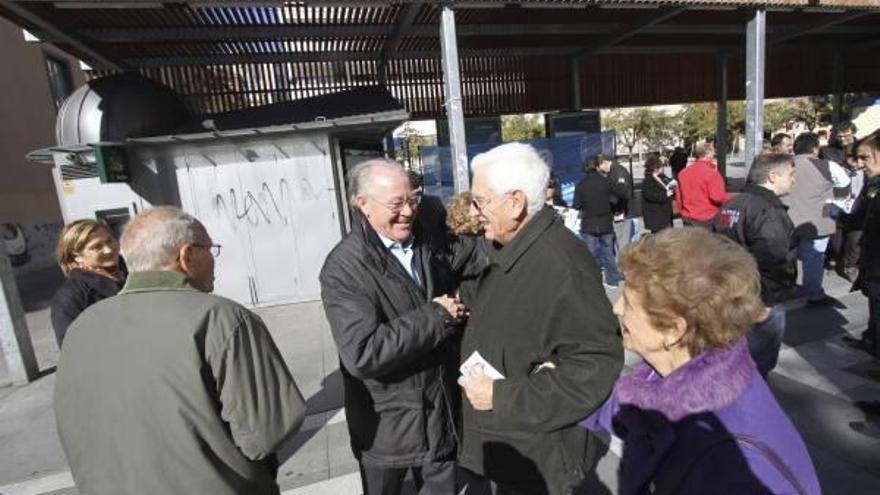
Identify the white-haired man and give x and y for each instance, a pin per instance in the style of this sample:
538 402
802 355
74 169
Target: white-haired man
389 294
165 388
542 320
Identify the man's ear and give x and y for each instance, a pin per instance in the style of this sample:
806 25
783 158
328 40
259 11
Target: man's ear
361 203
184 260
520 204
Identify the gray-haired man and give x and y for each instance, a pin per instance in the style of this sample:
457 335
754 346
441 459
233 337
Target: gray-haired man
167 389
389 295
541 319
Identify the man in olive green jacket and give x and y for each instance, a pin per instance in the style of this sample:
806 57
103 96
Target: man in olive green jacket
166 388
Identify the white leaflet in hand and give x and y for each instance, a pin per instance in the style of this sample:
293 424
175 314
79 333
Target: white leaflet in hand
475 359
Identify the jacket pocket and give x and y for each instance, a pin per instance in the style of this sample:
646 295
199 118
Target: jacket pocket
401 428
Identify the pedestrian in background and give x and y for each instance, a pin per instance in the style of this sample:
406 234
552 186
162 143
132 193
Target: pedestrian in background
592 197
678 161
540 301
701 190
782 143
625 226
695 416
88 255
166 388
657 193
866 214
810 208
758 220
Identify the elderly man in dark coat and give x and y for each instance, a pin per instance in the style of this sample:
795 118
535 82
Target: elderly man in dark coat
389 292
545 328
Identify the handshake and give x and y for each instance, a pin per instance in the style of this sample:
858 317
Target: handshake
458 312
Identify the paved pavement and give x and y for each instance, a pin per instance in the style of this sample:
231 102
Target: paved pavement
819 382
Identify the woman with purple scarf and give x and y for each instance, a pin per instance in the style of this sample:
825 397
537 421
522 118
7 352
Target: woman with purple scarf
696 417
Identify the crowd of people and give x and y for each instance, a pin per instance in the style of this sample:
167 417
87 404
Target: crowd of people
477 345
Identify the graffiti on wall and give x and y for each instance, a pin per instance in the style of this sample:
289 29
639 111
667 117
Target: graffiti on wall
264 206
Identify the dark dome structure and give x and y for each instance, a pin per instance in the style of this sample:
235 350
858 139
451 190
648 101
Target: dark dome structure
114 108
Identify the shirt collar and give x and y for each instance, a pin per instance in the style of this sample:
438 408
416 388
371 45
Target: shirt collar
390 244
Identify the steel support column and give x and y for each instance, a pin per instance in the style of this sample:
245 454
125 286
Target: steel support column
721 144
836 89
755 56
576 83
15 340
452 92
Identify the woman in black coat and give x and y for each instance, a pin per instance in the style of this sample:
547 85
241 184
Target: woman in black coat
657 193
89 257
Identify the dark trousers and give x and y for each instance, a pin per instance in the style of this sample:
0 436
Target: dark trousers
475 484
435 478
872 334
765 340
708 224
845 247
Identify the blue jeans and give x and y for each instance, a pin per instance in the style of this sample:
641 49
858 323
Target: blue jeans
765 340
602 249
812 254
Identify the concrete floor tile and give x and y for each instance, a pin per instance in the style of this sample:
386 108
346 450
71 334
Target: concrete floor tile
823 419
304 458
833 381
838 477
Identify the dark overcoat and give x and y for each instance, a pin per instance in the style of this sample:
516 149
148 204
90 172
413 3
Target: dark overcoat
540 299
397 349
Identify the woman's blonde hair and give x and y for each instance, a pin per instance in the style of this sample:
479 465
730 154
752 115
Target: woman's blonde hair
705 278
458 216
73 239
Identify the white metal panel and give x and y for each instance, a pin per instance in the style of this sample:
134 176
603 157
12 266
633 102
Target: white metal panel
205 193
314 212
262 204
81 198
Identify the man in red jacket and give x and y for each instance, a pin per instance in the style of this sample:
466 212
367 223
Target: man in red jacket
701 191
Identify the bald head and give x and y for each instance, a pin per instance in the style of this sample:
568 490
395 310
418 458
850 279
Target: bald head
152 239
363 178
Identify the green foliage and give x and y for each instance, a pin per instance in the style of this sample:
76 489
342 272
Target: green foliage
698 121
655 128
412 143
521 127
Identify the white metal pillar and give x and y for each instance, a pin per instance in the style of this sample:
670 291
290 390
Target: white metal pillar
721 145
15 340
452 91
756 44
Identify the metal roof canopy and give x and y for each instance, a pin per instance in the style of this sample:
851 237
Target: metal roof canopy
516 56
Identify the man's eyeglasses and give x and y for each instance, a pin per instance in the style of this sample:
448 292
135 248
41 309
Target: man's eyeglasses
397 205
481 203
213 248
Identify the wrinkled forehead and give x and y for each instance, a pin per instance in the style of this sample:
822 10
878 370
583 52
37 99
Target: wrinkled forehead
390 182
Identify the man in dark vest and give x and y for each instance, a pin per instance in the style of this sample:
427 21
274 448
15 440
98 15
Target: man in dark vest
811 210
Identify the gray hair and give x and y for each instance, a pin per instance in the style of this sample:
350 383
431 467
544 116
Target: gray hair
358 176
515 166
152 239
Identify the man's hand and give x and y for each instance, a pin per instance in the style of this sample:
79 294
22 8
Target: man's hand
478 389
457 311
